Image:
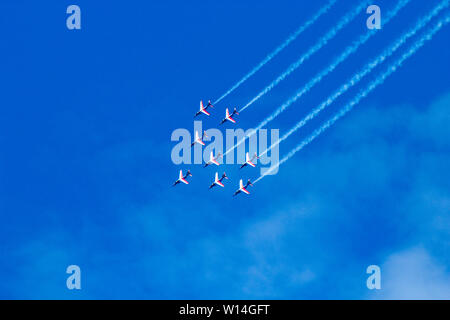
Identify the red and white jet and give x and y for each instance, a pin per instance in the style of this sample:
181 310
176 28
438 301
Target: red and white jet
217 181
203 109
242 188
182 178
228 117
213 160
248 161
198 139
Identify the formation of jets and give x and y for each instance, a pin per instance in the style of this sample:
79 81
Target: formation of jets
228 116
214 160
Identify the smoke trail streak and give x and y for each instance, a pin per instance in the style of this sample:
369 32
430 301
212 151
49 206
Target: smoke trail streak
365 71
374 84
271 55
322 42
315 80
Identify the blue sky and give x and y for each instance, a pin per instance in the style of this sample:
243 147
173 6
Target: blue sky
86 118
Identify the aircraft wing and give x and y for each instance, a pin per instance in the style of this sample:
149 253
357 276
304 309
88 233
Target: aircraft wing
251 164
220 184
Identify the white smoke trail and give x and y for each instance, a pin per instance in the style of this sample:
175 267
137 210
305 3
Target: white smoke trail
378 81
315 80
322 42
271 55
365 71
